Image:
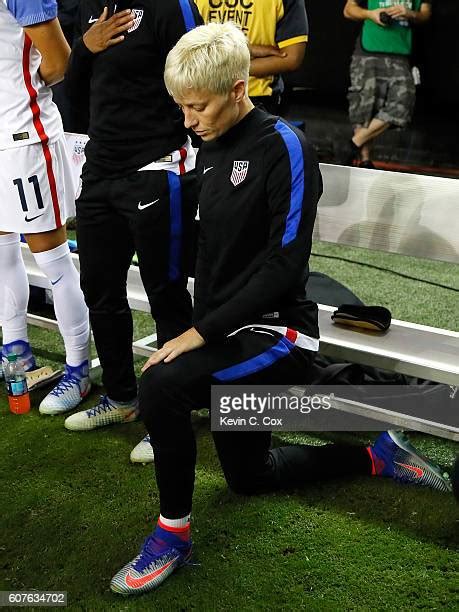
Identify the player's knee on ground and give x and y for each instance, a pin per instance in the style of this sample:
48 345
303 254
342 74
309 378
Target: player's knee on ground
243 482
246 477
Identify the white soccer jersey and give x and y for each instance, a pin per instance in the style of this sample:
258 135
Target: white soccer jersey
27 113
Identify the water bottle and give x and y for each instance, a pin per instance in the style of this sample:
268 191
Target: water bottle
16 385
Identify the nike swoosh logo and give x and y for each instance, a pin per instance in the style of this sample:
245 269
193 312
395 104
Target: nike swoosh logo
56 281
93 19
207 169
142 206
128 416
33 218
137 583
418 471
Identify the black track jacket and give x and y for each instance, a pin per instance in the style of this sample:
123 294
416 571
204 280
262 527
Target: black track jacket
132 119
260 187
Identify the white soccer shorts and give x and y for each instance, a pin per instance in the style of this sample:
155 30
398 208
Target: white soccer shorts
37 188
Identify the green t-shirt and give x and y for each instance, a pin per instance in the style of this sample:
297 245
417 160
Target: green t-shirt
395 38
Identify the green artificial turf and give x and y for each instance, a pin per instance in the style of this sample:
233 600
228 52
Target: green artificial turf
74 510
410 300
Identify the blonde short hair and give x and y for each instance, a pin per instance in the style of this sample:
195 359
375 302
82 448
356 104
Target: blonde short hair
210 57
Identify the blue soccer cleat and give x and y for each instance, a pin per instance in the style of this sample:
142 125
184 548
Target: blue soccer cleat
394 456
69 392
162 553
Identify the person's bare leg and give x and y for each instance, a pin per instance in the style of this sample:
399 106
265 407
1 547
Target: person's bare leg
363 135
45 241
357 129
365 152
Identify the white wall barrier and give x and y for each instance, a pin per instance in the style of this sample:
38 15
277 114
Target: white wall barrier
409 214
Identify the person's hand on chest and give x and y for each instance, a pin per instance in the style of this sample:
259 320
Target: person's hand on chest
107 31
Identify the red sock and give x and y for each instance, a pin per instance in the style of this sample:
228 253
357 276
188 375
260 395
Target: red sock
183 531
373 469
377 464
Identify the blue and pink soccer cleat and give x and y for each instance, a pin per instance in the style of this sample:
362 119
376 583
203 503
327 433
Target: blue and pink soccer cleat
69 392
393 455
162 552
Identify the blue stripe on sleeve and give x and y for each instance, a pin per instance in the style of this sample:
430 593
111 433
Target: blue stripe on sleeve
190 21
297 186
255 364
31 12
175 246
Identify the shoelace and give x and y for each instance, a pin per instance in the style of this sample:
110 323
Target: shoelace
66 383
152 549
144 561
103 406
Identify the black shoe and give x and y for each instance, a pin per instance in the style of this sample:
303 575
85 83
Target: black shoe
349 154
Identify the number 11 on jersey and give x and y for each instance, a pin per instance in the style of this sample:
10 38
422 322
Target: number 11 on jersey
22 196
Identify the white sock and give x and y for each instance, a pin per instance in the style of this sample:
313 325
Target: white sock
176 523
71 312
14 290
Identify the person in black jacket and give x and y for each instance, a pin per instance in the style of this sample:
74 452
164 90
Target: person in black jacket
67 15
252 323
137 186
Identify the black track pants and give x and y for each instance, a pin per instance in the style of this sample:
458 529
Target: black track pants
150 212
169 392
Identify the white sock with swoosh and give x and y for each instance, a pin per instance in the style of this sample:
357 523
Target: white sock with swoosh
71 312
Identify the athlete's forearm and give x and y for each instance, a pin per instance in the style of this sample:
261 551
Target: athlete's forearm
52 72
49 39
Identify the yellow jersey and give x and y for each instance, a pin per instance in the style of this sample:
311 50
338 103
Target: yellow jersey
265 22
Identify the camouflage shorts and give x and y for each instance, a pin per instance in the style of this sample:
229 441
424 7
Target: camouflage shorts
381 87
